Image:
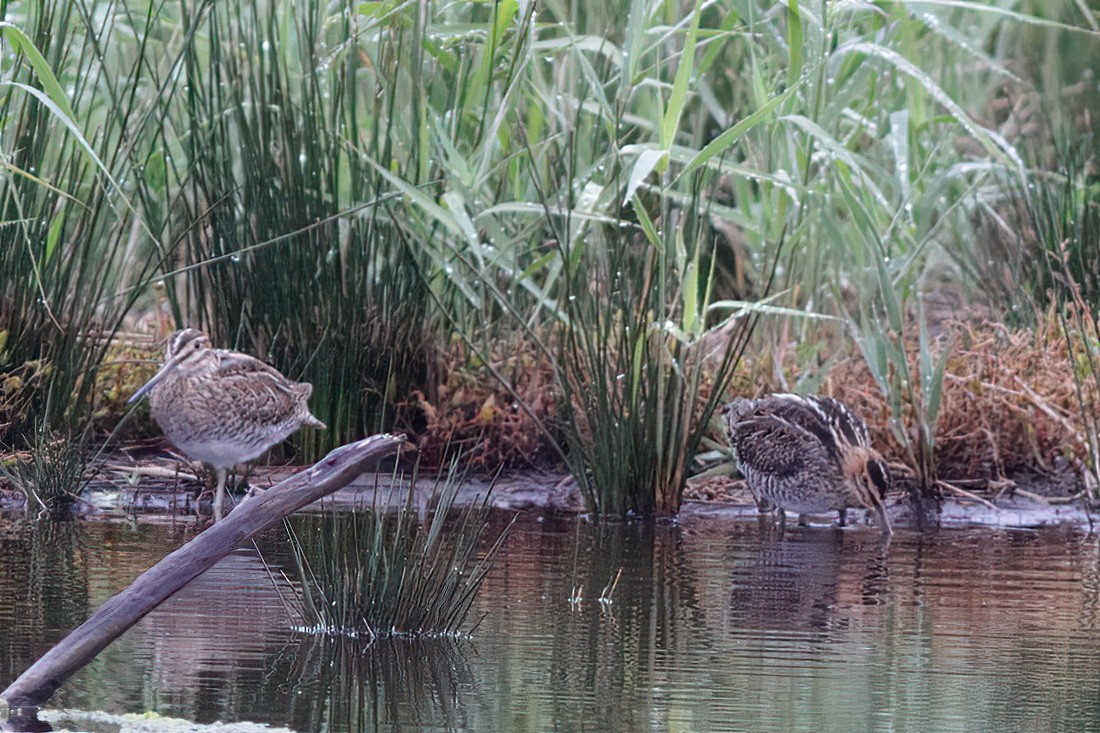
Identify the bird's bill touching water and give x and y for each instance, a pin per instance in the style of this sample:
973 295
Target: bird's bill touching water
167 368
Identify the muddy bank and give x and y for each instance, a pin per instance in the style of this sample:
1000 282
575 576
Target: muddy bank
534 492
1006 512
174 496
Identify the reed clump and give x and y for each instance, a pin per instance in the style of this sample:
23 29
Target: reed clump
396 569
289 246
50 474
636 350
68 239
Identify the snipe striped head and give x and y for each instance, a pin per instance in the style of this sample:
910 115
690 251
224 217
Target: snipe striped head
189 351
870 477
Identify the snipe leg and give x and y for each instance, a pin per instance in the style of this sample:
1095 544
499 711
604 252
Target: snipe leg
884 520
219 494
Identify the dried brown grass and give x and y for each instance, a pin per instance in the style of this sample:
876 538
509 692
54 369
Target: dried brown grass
474 413
1010 403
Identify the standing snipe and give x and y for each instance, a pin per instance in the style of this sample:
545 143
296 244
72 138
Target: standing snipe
221 407
807 454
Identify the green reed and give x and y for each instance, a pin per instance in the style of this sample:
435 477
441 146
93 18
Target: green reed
529 151
634 353
870 159
73 136
1046 235
347 189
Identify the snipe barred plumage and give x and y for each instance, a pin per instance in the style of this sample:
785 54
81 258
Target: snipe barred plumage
807 454
222 407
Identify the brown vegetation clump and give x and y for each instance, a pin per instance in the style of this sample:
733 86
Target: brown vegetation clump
133 359
474 413
1010 403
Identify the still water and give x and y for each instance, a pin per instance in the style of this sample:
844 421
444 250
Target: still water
714 624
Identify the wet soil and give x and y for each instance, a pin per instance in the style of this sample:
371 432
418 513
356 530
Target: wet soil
161 486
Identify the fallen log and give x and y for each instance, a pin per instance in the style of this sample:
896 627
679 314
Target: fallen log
158 583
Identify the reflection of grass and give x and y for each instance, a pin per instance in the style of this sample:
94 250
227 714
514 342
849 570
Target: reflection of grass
390 682
391 572
49 562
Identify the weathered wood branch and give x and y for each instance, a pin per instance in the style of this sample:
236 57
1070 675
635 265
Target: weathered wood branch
158 583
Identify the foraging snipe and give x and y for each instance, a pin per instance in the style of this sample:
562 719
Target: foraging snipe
221 407
807 454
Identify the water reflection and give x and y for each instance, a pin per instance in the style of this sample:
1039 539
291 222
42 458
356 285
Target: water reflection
210 645
713 625
354 686
44 585
809 583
